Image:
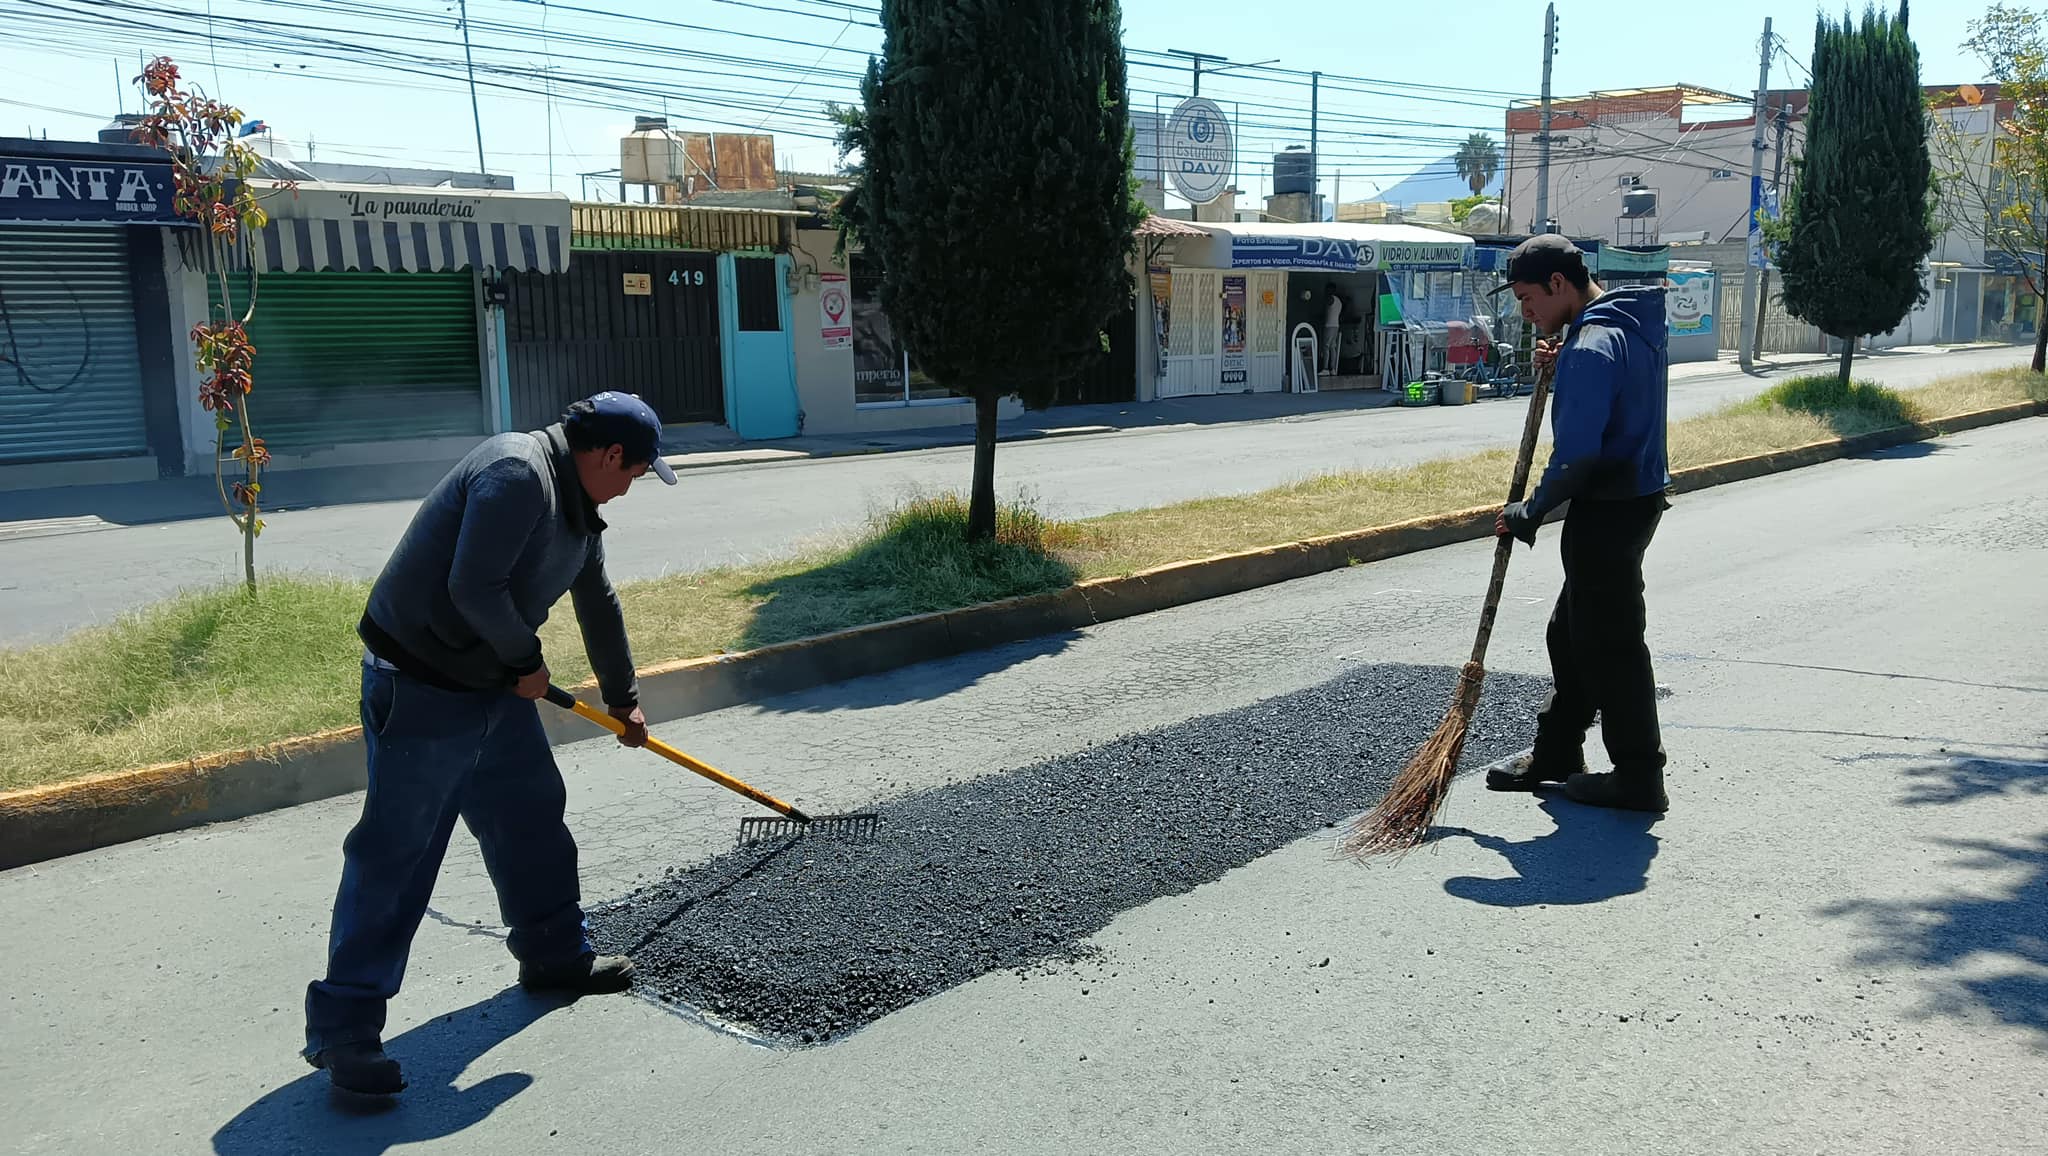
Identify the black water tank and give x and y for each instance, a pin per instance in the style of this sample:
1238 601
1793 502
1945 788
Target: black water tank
1294 171
1639 203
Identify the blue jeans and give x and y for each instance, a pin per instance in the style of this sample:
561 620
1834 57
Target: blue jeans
435 754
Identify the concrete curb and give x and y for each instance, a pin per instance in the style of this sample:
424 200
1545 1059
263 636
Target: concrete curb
43 823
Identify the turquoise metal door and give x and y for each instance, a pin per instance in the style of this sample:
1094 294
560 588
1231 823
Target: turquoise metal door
760 360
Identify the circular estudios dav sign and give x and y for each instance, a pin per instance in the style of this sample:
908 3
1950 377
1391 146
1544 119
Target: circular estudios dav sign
1198 150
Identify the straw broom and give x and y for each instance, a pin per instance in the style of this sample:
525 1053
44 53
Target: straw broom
1401 821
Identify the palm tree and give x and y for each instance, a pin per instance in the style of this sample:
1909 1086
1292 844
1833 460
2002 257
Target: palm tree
1478 159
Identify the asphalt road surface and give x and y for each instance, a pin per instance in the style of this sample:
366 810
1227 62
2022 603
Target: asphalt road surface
1832 943
743 513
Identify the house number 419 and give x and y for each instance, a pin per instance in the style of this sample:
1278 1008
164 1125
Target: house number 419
686 277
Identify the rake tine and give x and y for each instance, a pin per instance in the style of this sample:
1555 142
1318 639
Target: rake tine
857 827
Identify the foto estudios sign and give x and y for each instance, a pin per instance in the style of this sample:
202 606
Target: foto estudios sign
1198 150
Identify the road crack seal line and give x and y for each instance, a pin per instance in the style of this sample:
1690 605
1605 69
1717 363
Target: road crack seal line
806 941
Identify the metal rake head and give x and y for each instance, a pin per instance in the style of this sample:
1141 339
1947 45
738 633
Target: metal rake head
860 827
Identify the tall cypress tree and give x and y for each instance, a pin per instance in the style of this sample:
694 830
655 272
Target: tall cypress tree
993 188
1860 220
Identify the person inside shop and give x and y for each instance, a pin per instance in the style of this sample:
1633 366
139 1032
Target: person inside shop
1333 327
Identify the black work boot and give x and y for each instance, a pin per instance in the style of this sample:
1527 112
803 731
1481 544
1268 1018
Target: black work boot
360 1067
587 974
1526 772
1633 792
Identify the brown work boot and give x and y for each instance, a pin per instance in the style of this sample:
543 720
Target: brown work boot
1621 792
587 974
360 1067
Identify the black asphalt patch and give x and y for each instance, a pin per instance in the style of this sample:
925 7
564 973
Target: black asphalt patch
811 939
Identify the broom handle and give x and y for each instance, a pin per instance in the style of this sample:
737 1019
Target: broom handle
567 701
1504 548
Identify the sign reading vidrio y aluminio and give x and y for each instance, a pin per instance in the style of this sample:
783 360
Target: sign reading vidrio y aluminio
1198 150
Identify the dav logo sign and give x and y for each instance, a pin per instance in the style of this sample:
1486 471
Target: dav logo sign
1299 253
50 189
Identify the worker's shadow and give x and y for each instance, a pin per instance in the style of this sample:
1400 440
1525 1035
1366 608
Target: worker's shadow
1595 854
308 1115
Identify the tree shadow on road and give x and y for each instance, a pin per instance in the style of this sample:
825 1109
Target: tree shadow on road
1594 855
1976 947
1964 777
308 1115
1989 946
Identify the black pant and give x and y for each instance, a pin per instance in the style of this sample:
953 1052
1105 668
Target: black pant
1599 662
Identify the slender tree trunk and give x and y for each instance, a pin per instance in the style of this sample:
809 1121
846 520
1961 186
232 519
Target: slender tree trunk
981 510
1848 352
2041 322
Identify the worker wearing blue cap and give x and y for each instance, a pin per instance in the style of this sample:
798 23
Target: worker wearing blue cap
452 664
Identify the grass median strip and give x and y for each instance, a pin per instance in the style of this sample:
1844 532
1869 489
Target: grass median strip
215 670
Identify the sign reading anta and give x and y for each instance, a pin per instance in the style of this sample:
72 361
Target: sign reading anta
61 189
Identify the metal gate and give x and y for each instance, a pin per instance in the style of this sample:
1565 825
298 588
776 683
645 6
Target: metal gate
70 378
1266 301
1194 362
349 356
642 322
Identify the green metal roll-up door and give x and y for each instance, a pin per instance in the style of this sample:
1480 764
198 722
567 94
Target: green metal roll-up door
70 380
358 357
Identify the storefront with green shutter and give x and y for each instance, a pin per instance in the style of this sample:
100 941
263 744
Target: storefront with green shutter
374 339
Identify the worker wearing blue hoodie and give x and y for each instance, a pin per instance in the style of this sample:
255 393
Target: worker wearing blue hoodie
1608 462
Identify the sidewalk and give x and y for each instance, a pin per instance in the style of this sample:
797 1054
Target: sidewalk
698 447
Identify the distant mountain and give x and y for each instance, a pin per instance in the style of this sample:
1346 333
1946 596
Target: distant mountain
1436 181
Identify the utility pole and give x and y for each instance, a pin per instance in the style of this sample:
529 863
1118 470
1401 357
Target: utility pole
1542 223
475 117
1315 159
1782 123
1198 58
1756 197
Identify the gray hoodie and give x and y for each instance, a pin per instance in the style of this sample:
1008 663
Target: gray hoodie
489 553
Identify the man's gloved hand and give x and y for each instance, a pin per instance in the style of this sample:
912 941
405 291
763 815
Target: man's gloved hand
1515 521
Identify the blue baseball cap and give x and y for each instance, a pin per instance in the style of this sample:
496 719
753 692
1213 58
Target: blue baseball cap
622 419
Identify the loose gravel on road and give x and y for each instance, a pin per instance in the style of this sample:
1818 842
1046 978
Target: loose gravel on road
807 940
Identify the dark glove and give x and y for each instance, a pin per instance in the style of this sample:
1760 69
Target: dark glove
1517 521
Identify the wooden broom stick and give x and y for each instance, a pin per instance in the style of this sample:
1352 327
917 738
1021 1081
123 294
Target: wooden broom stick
1402 820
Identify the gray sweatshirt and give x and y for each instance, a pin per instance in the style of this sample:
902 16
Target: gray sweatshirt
490 552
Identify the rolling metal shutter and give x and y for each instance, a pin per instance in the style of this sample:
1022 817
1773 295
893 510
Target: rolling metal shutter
356 357
70 380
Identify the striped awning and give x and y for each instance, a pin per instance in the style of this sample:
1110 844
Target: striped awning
321 227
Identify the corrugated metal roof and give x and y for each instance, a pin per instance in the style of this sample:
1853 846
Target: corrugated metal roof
1158 226
719 229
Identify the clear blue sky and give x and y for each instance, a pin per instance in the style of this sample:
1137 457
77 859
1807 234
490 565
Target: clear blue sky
58 70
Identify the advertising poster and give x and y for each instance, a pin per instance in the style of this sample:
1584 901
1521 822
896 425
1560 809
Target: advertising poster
1233 331
835 311
1162 310
877 360
1689 304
